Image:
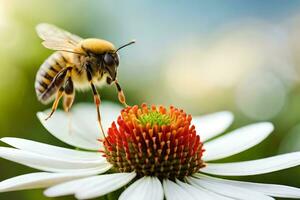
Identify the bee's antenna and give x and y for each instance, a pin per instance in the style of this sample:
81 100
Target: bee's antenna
125 45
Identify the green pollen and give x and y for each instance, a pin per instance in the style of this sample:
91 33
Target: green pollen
155 118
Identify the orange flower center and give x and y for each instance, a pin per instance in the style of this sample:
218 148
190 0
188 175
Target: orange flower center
154 142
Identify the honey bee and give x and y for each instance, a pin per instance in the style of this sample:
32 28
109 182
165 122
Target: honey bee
76 64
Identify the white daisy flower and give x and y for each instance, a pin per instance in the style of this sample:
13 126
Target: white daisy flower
156 152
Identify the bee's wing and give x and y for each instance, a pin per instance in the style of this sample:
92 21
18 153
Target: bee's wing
56 38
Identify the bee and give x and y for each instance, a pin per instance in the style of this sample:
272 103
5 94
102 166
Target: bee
76 64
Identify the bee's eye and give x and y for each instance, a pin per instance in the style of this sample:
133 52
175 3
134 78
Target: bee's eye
109 60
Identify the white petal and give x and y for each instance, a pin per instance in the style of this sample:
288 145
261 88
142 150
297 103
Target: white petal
212 195
228 190
175 192
68 188
211 125
42 179
79 128
103 185
146 188
46 163
50 150
267 189
60 127
85 116
254 167
237 141
196 193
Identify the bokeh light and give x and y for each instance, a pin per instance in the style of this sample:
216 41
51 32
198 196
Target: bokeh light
261 96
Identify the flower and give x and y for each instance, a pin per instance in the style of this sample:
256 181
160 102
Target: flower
157 152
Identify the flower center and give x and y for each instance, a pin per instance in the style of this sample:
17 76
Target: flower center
154 118
154 142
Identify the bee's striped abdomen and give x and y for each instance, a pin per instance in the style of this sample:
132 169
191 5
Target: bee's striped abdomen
55 63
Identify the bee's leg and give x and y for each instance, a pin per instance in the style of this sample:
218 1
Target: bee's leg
69 97
97 99
69 94
59 94
121 95
58 83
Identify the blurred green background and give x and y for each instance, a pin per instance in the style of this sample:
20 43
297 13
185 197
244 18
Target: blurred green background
203 56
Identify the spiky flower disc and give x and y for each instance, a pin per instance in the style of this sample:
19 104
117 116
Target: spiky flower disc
154 142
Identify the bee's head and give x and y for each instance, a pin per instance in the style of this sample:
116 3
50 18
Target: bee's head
111 62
